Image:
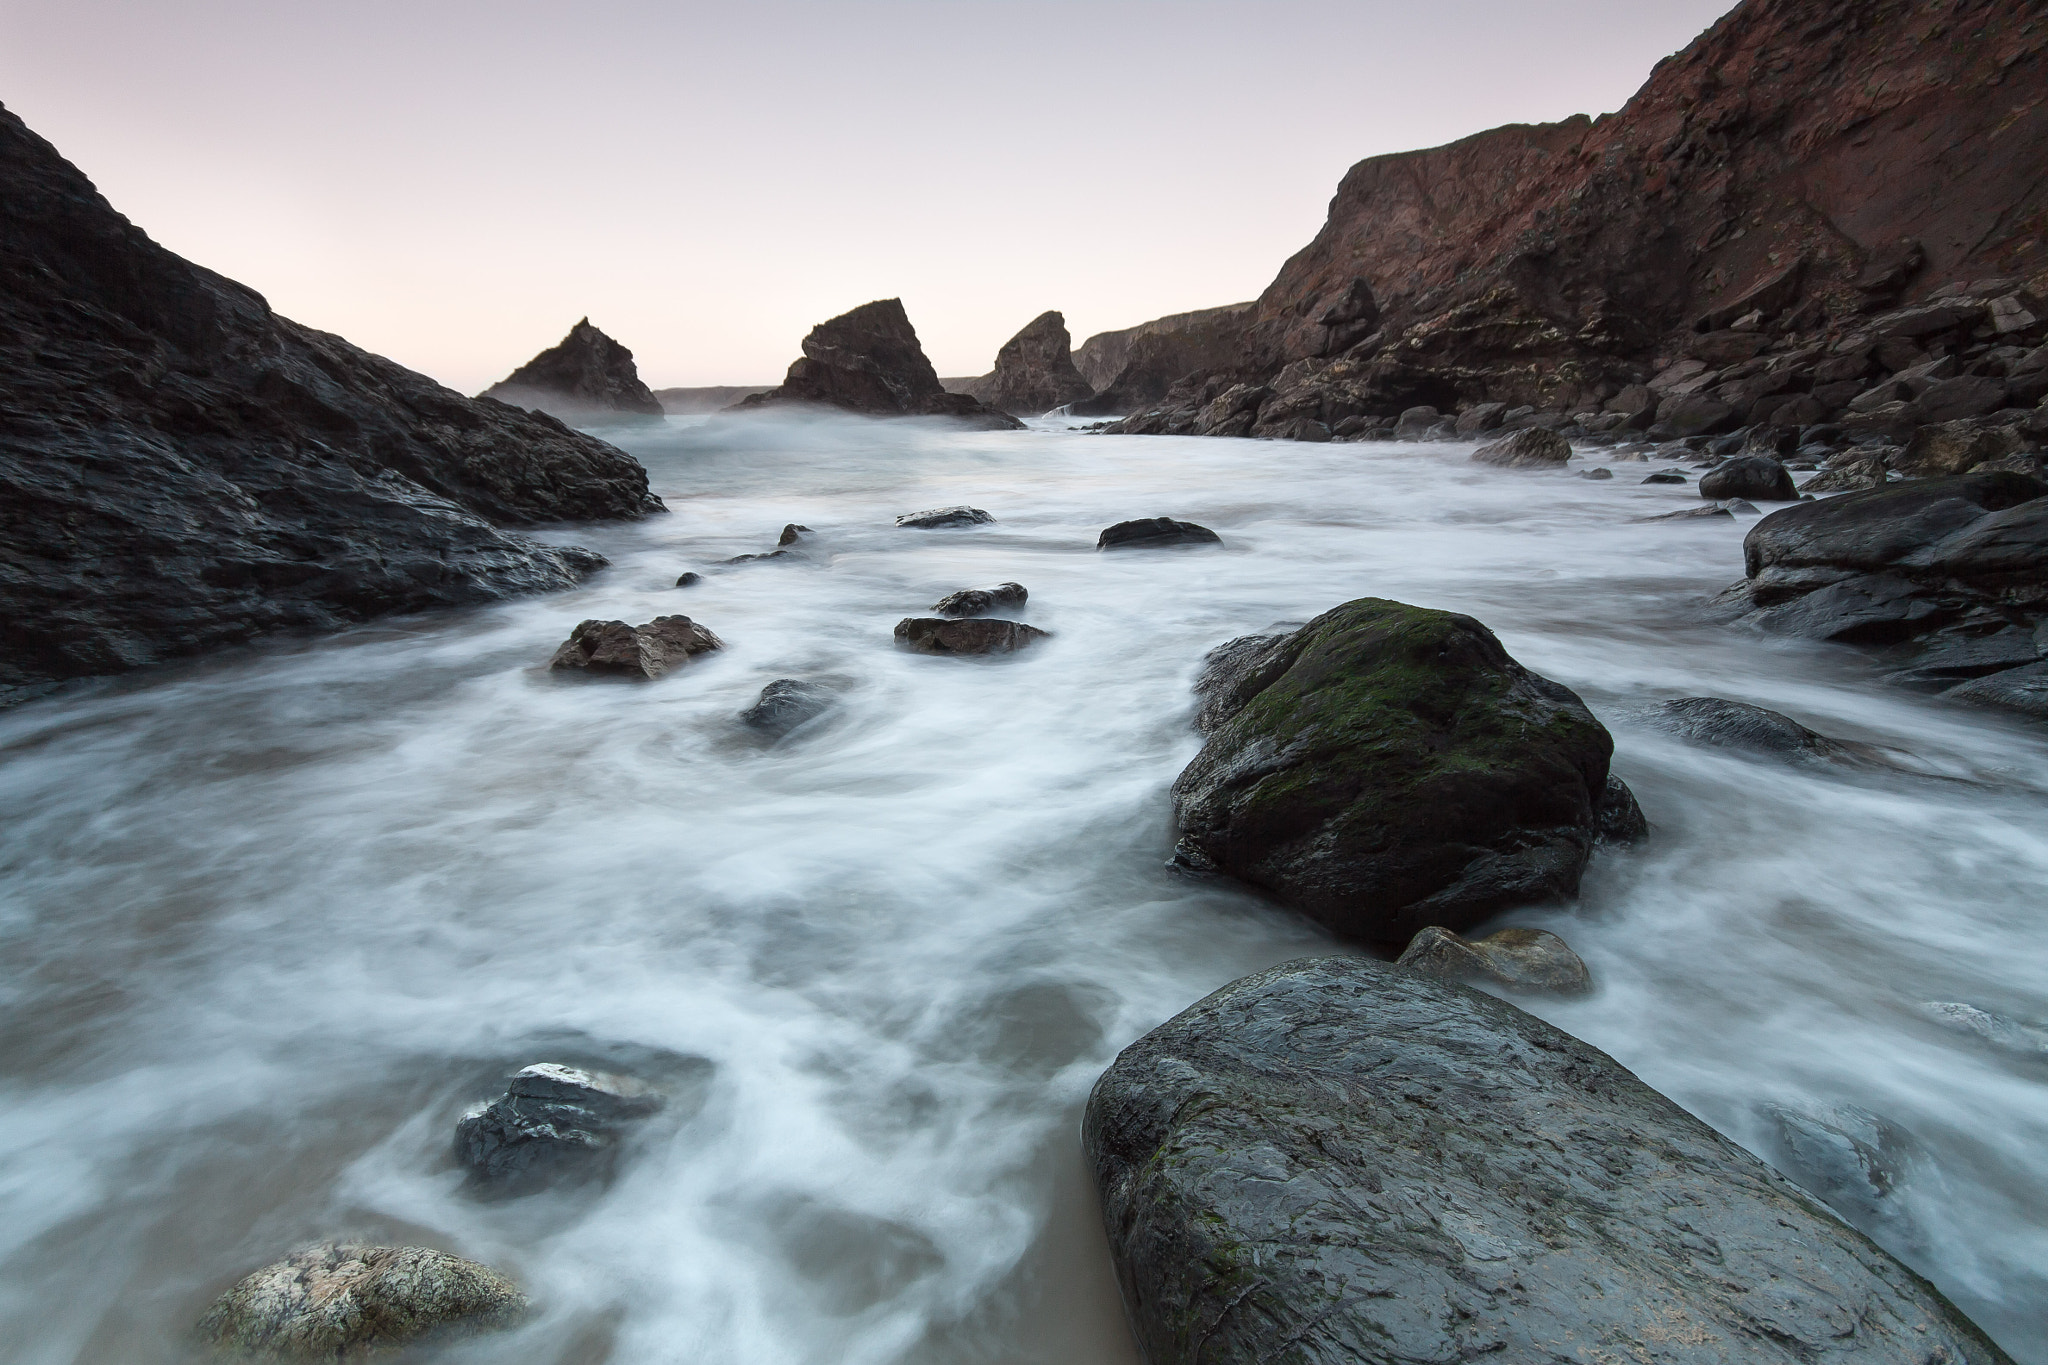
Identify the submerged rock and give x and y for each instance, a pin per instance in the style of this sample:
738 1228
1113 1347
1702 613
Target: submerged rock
1749 476
1150 533
939 517
1846 1155
1339 1160
689 580
787 703
346 1301
1388 767
981 601
553 1122
978 635
1529 448
1666 476
869 361
585 377
649 651
2001 1031
1517 958
1714 513
1721 724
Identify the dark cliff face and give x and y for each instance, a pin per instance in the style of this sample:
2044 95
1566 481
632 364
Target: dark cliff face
181 468
1138 365
870 361
586 377
1796 150
1034 370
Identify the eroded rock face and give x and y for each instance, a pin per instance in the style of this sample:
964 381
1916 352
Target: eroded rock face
1137 366
869 361
981 601
553 1122
650 651
181 469
980 635
347 1301
1034 371
585 377
1339 1160
1518 959
1386 768
1153 533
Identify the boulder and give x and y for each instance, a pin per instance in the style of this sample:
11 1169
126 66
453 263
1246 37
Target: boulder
945 516
1339 1160
1847 476
1529 448
1749 476
1034 371
1388 767
1414 423
1516 959
870 361
1965 396
1953 448
585 377
689 580
1596 474
346 1301
1844 1154
1721 724
787 703
1153 533
553 1122
1619 820
978 635
1696 414
1666 476
1480 418
2023 689
981 601
649 651
791 534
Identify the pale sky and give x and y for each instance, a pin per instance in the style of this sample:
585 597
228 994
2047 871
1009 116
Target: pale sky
453 183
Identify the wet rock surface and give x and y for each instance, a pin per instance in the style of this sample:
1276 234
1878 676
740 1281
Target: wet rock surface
870 361
977 635
1386 768
1844 1154
1034 371
787 703
349 1301
182 470
585 377
982 601
1530 448
1517 959
554 1122
1155 533
1365 1164
1749 476
1717 723
613 648
939 517
1619 819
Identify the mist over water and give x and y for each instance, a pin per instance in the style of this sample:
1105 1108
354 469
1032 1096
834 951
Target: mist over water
271 921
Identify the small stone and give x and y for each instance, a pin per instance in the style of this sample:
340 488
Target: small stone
945 516
343 1300
787 703
980 635
1596 473
1666 476
1517 958
981 601
649 651
1151 533
689 579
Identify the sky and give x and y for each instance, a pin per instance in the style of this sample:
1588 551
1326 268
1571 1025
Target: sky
454 183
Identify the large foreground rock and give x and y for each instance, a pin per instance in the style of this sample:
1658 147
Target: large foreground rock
1339 1160
346 1301
869 361
1389 767
585 377
181 469
1034 371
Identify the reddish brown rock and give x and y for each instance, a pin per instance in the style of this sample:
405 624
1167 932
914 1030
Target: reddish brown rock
620 650
977 635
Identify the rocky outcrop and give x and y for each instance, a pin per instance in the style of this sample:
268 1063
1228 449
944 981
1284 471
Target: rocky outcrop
347 1301
586 377
709 398
613 648
1034 371
1386 768
870 361
553 1122
1138 366
976 635
181 469
982 601
1340 1160
1154 533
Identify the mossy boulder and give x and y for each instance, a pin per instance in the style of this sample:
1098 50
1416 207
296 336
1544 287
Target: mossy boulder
1389 767
345 1301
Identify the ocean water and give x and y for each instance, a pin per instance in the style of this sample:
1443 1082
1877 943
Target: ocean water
270 921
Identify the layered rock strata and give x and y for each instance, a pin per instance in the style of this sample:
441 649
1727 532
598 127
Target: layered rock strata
869 361
181 469
585 377
1034 371
1138 366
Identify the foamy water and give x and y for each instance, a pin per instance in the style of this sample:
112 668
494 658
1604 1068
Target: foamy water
271 921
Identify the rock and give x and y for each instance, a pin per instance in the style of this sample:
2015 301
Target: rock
1135 366
1232 673
1849 476
1953 448
553 1122
980 635
1696 414
787 703
345 1301
1034 371
1596 473
183 470
1843 1154
649 651
1339 1160
690 579
1388 767
1749 476
945 516
869 361
1721 724
1529 448
791 534
981 601
1666 476
1965 396
2002 1031
707 398
2023 689
1692 514
1619 820
1480 418
1152 533
1414 423
1959 653
585 377
1517 959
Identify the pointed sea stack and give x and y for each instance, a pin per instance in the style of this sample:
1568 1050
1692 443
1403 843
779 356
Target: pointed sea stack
869 361
1034 371
586 377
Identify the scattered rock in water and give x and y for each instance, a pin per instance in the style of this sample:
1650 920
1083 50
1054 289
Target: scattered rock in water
945 516
690 579
1843 1154
1517 958
1338 1160
1721 724
1388 767
345 1300
1151 533
553 1122
748 559
1666 476
787 703
1529 448
981 601
1692 514
649 651
1749 476
1619 820
2002 1031
976 635
791 534
1596 473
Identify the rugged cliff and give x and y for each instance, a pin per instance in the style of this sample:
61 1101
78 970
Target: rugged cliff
1034 371
1138 365
585 377
870 361
181 468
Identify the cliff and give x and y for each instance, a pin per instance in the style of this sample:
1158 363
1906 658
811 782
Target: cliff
181 468
1138 365
586 377
1034 371
870 361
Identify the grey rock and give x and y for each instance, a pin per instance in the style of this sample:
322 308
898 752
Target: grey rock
1529 448
791 534
1232 673
1692 514
978 635
1480 418
1618 819
1749 476
689 580
787 703
1338 1160
2001 1031
1414 423
2023 689
1517 959
1717 723
345 1301
554 1122
616 649
1596 473
981 601
1844 1154
1666 476
1151 533
1948 658
945 516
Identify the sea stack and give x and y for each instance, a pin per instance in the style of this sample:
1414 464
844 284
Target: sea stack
586 377
1034 371
869 361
